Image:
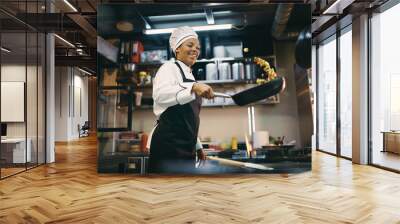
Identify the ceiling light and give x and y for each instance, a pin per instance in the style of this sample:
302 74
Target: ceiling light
5 50
65 41
195 28
124 26
175 17
84 71
70 5
337 7
184 16
213 27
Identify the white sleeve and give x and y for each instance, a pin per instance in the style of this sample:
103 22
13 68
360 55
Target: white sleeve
199 145
169 90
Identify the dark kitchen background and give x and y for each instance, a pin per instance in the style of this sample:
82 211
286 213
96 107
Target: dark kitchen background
278 129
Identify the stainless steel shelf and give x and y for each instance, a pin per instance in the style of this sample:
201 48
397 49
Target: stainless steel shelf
147 107
228 81
204 60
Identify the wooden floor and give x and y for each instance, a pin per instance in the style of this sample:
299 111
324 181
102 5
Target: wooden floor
70 191
10 171
386 159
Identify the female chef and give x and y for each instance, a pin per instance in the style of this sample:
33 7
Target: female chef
177 101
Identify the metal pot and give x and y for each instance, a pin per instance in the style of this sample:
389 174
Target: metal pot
225 71
211 71
250 69
238 71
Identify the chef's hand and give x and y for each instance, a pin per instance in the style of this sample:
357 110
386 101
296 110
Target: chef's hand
201 157
203 90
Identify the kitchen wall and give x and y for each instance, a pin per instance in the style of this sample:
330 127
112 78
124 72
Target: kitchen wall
278 119
71 102
224 123
283 119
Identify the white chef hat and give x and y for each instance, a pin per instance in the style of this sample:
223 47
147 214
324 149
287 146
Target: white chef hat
180 35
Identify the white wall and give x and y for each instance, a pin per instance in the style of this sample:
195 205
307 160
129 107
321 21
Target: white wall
33 127
61 105
13 73
80 81
70 83
224 123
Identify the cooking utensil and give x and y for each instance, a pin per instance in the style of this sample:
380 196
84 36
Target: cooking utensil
235 71
225 71
211 71
255 94
250 69
230 162
238 71
201 74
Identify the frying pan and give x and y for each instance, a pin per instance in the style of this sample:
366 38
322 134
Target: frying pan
254 94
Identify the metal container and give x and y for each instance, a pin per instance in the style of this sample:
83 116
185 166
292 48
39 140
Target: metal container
211 71
225 71
238 71
200 74
250 69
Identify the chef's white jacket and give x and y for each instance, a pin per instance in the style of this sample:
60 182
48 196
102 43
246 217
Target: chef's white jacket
169 90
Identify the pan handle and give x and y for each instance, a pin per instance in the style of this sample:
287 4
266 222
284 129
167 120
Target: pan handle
224 95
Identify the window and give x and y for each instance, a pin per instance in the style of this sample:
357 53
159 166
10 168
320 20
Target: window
385 88
327 95
346 93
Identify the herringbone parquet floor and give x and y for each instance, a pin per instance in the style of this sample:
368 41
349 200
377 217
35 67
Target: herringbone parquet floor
71 191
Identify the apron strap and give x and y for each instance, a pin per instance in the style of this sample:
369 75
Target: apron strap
183 74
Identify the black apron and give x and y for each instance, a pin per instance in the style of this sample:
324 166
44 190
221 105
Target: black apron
173 143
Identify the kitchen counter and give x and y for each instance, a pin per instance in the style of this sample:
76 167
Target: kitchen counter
213 167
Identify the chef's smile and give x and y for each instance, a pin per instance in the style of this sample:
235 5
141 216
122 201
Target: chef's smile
189 51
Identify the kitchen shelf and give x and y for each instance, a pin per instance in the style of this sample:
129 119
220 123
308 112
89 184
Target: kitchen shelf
150 64
129 154
144 107
213 82
105 62
265 102
115 87
228 81
220 59
127 140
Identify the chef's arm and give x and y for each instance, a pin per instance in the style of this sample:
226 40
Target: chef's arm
168 91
